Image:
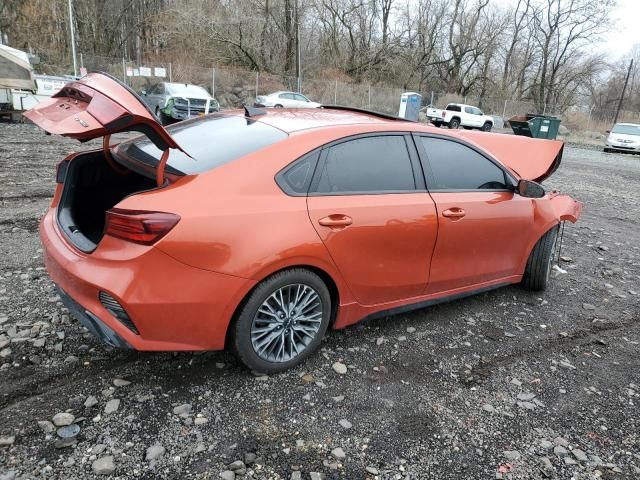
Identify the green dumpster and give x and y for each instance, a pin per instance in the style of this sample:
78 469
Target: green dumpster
535 126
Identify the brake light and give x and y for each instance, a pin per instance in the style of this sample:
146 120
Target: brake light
139 226
443 113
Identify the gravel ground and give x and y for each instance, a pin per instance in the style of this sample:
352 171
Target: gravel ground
507 384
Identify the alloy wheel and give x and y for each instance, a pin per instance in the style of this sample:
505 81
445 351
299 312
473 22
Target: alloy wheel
286 322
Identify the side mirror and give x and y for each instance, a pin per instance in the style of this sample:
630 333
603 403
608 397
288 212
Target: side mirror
608 131
529 189
143 92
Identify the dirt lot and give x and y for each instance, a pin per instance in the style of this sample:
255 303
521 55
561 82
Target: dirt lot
507 384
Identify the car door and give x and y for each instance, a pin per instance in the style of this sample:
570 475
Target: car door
286 100
483 225
369 206
301 100
470 117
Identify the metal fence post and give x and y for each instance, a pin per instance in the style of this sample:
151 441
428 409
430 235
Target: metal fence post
257 80
81 60
213 82
124 71
504 110
170 75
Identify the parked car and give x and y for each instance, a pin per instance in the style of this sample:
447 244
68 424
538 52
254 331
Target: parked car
178 101
624 137
165 242
285 100
456 115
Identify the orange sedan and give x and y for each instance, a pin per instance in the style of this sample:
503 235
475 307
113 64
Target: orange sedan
257 230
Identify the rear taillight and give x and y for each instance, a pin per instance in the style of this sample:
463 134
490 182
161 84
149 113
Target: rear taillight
139 226
443 114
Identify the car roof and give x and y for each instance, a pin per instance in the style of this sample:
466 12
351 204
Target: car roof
294 119
629 124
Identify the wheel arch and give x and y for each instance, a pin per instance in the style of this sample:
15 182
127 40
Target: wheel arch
328 280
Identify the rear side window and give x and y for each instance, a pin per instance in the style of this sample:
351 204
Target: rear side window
457 167
295 179
367 165
453 108
211 141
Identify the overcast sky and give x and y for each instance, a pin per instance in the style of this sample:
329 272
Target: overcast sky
625 31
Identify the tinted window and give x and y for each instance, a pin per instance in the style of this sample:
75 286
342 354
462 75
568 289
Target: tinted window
288 96
458 167
469 110
370 164
211 141
453 108
297 178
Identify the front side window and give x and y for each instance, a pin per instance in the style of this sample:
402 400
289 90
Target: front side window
367 165
455 166
469 110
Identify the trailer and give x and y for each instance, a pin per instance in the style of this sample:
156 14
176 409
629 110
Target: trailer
16 81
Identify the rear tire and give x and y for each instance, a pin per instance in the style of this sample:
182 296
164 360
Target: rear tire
259 323
437 124
607 150
487 127
277 105
454 124
538 271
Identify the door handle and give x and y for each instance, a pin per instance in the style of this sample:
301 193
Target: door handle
454 213
336 220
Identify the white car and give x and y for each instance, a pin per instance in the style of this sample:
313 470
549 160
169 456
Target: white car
285 100
624 137
457 115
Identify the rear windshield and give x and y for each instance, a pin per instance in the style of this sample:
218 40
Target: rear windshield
211 141
626 129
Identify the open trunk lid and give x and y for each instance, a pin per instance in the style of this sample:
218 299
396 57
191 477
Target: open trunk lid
530 158
95 106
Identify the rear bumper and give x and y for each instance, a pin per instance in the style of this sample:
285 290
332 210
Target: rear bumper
92 323
172 305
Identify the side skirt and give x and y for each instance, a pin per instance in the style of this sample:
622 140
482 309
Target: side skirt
428 303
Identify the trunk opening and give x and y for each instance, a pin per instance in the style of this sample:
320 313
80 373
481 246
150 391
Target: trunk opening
91 187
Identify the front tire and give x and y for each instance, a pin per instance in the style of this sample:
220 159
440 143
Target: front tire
487 127
538 270
282 321
454 124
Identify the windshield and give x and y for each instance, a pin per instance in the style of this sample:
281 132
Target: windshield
626 129
211 141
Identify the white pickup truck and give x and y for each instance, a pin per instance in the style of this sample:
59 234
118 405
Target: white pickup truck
456 115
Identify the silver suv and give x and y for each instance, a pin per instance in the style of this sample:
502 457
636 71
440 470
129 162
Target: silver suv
178 101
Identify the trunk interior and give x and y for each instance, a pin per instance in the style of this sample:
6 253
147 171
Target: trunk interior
91 187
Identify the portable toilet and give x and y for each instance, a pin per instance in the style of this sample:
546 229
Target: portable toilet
410 104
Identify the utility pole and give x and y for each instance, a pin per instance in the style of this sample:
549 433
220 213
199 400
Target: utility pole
73 40
297 19
624 89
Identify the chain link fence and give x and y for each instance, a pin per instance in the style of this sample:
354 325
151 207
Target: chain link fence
235 87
